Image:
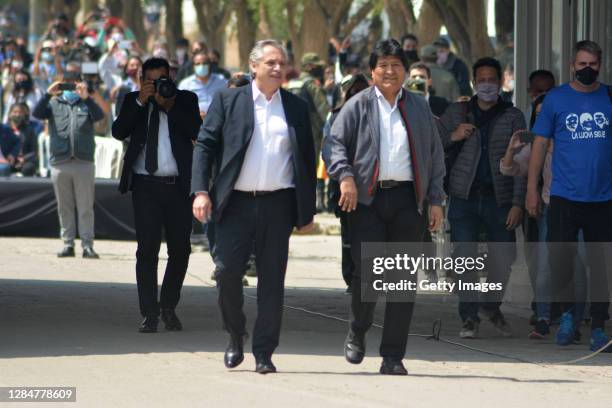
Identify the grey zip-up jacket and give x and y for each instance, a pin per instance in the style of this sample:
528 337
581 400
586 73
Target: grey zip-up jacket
509 191
353 146
71 127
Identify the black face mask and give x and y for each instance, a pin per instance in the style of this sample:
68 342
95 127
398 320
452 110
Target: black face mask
412 55
213 66
587 76
23 85
19 121
318 73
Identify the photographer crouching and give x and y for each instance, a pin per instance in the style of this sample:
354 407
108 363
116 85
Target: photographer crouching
71 112
161 123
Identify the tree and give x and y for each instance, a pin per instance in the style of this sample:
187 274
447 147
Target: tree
311 23
213 17
174 22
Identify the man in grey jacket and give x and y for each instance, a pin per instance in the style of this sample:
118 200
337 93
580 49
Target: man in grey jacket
385 151
475 135
71 114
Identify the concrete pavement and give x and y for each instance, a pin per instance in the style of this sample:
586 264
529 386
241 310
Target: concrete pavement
73 322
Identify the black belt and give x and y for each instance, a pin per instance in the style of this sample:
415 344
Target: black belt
387 184
157 179
260 193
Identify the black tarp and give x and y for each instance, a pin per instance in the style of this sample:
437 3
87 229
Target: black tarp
28 209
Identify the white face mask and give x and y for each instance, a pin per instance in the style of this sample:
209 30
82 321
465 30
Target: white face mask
118 37
180 54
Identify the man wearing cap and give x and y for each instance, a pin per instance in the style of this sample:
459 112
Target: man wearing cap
450 62
419 82
309 87
443 82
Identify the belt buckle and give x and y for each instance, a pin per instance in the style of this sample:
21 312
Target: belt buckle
385 184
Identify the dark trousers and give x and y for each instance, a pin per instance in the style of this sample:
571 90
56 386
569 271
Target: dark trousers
159 205
347 260
268 220
565 219
392 217
467 219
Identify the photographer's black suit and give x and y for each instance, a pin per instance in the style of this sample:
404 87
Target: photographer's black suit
160 201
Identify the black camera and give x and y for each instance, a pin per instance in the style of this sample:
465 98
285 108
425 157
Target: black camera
165 87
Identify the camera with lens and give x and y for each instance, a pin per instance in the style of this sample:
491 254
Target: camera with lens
165 87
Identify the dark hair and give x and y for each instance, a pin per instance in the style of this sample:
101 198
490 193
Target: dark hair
487 62
589 46
409 36
216 53
182 42
538 101
544 73
420 65
155 63
238 81
20 105
204 53
387 48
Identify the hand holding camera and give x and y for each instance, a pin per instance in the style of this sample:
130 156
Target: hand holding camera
162 90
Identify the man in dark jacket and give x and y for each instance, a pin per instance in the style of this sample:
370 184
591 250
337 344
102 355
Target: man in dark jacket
161 124
71 114
476 134
449 61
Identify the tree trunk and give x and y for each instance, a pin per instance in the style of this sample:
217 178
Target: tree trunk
246 32
315 31
504 21
133 17
401 17
115 7
477 29
36 25
174 23
429 24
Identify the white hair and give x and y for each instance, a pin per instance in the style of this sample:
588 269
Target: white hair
256 53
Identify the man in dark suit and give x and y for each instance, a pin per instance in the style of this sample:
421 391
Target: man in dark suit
157 169
258 138
437 104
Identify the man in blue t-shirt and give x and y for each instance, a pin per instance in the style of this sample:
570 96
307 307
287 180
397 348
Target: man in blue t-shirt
576 116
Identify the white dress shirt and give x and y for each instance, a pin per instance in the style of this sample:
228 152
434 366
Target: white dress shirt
204 91
166 164
395 163
268 163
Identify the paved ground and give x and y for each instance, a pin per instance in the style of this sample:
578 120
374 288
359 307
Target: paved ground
73 323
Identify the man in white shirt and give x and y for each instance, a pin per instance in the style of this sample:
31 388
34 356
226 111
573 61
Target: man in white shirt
204 83
258 138
157 169
385 151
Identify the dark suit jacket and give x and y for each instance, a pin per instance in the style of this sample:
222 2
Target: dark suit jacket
438 105
224 139
183 124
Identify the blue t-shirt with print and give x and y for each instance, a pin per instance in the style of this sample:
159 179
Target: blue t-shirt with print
579 124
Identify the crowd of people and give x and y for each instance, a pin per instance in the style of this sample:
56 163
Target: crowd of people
398 140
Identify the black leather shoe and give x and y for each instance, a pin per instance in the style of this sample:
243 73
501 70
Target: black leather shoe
354 347
148 325
234 354
392 367
171 320
68 251
264 366
89 253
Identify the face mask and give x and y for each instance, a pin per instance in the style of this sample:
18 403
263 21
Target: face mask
202 70
17 64
160 53
317 72
587 76
412 55
131 73
180 54
214 66
10 54
442 57
46 56
71 96
18 120
118 37
487 92
23 85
